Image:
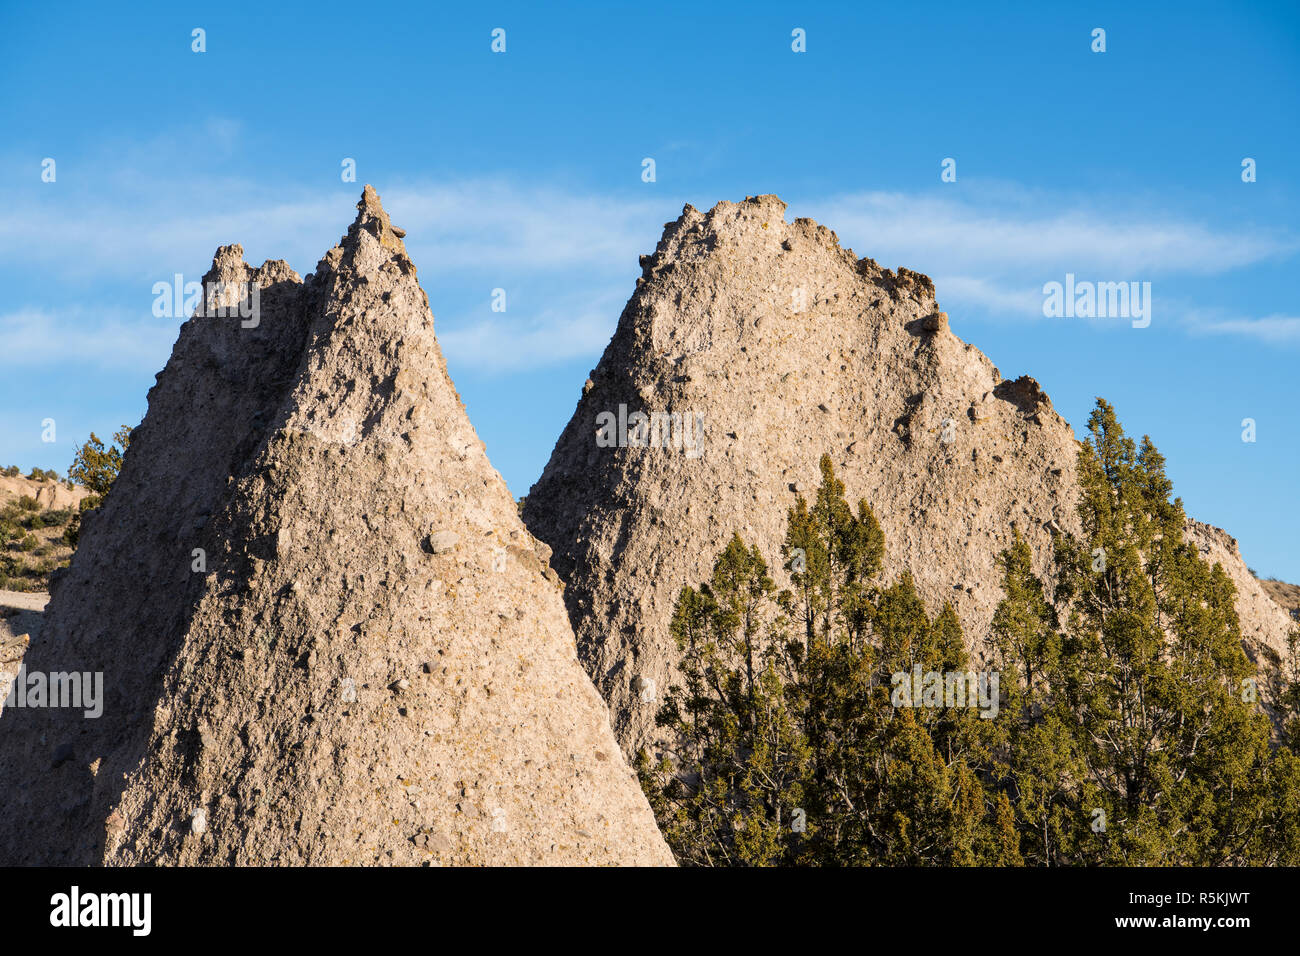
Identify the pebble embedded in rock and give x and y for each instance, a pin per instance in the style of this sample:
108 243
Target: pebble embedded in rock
441 542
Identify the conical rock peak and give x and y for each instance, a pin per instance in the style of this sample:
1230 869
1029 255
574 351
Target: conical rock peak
752 346
327 636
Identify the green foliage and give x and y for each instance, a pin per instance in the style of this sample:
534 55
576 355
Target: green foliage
29 552
1133 734
96 466
788 749
742 762
1289 700
36 474
53 518
1128 730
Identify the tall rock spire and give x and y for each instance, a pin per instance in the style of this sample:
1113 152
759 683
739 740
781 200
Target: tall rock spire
777 346
372 663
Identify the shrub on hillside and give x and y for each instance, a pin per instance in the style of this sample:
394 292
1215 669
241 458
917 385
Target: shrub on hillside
54 518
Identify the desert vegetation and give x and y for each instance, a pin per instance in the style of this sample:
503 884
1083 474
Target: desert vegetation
35 539
95 467
1118 720
32 543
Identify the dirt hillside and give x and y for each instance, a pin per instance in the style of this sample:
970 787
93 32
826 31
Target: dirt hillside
34 517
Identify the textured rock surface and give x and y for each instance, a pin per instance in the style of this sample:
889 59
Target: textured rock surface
786 347
1287 595
331 690
15 638
1265 622
21 614
48 494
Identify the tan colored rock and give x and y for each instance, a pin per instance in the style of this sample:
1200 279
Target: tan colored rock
1263 628
331 690
1287 596
13 645
787 346
48 494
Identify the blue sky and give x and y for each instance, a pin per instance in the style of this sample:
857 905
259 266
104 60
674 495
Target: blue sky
522 171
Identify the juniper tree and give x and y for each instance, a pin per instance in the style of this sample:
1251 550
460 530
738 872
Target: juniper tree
727 791
1289 699
1133 741
1279 832
1128 730
833 556
920 800
96 466
1041 769
783 712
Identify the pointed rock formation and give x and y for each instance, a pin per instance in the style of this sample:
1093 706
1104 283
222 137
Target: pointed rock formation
326 637
753 346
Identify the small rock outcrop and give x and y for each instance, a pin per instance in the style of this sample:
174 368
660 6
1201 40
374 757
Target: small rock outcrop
48 493
319 642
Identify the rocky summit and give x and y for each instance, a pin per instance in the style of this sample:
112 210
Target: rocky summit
324 634
751 347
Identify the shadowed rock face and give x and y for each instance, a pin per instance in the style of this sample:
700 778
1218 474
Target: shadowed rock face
786 346
374 666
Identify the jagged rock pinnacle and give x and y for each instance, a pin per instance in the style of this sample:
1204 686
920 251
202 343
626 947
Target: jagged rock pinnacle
371 211
778 346
285 656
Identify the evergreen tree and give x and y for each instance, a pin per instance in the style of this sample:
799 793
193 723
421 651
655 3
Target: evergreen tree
1289 699
789 749
728 793
95 467
1127 728
1135 737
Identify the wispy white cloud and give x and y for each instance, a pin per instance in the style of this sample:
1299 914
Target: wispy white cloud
481 224
1021 232
992 254
1012 299
1270 328
492 223
141 221
137 222
82 336
554 335
1275 328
